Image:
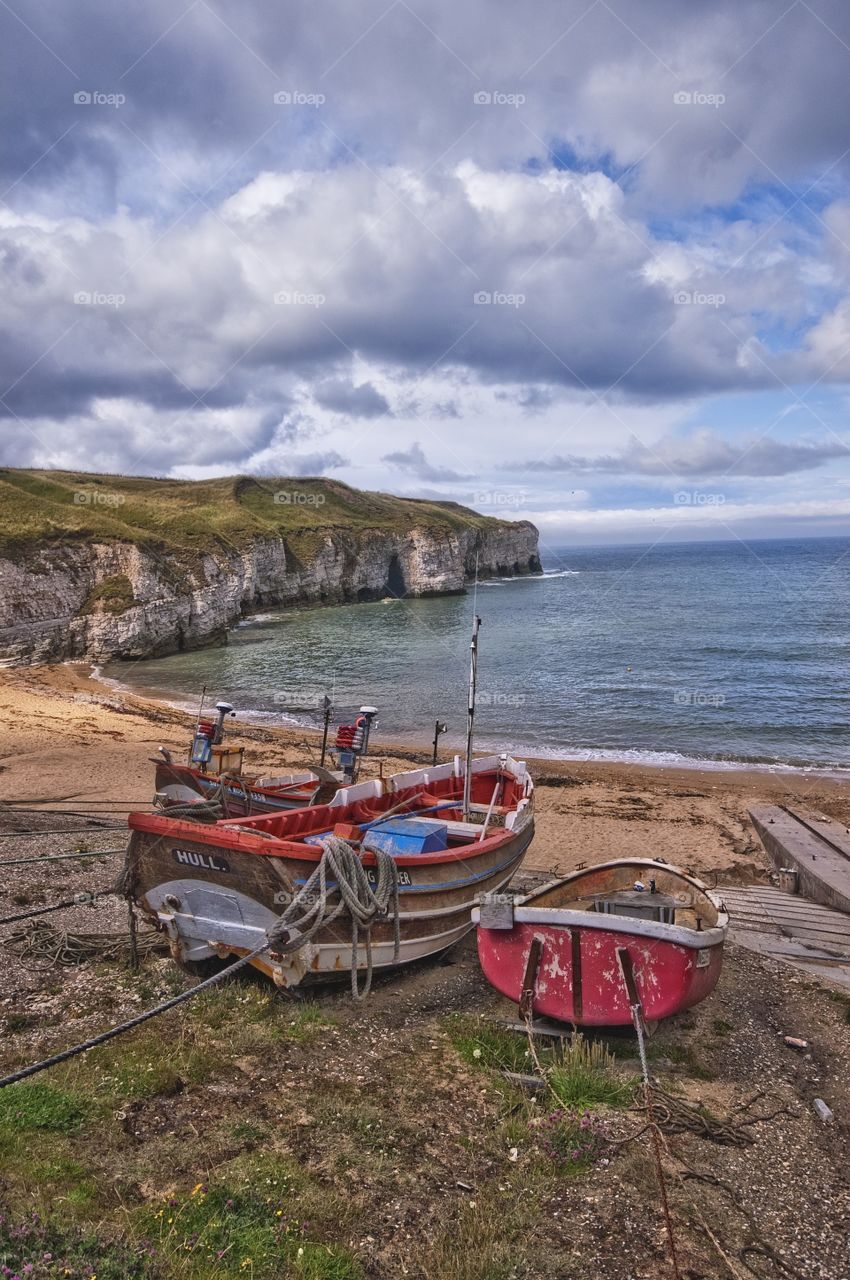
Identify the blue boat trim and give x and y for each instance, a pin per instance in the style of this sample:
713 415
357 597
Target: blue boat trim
449 884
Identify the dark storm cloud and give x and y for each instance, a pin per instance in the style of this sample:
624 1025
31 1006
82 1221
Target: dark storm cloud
496 211
340 396
401 80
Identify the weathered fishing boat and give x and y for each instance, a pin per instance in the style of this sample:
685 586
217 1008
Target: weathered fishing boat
213 784
218 890
583 948
185 787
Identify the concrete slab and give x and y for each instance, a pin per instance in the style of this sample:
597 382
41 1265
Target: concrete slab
817 848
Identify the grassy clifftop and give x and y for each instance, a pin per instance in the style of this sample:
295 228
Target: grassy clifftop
50 508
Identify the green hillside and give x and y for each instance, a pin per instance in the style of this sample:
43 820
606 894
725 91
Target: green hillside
50 508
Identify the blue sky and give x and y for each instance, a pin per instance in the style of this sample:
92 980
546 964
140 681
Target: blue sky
587 264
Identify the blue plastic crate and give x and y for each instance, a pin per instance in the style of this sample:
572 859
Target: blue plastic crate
407 836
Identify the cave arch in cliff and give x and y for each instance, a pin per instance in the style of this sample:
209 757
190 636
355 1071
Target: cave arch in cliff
396 585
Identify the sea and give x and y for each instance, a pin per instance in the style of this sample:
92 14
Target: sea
717 654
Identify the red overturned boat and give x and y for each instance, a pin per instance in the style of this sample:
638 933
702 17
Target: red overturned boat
584 949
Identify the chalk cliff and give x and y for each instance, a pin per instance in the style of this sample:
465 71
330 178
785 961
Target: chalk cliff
142 567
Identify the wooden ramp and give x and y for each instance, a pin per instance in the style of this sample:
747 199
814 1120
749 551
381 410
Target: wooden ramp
789 927
816 847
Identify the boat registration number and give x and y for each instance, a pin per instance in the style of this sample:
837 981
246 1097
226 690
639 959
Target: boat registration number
372 876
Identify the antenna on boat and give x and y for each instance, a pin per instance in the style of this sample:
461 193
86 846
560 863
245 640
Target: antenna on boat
201 703
327 708
470 713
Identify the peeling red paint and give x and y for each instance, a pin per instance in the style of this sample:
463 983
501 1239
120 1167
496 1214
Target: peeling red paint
667 978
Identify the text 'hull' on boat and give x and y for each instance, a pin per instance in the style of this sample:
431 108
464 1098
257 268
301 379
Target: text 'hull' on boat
217 889
568 950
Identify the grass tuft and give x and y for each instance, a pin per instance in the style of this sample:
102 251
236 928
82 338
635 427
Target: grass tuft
308 1021
584 1077
226 1230
146 1067
27 1108
483 1044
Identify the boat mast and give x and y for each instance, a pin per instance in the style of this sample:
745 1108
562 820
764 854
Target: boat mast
470 715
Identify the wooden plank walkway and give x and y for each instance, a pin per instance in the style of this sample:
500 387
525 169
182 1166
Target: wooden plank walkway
789 927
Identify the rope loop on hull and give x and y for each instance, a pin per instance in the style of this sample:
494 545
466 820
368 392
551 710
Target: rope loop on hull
309 911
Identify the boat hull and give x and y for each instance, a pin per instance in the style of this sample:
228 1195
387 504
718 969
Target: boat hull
580 978
571 949
183 784
216 890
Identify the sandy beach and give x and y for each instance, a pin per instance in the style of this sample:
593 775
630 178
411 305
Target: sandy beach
76 743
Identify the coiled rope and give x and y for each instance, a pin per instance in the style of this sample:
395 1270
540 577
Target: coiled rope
309 910
42 947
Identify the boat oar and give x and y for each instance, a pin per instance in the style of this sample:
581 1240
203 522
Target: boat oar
395 809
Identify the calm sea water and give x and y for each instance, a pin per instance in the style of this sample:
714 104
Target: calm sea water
715 652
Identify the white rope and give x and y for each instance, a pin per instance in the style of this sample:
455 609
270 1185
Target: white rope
309 911
637 1019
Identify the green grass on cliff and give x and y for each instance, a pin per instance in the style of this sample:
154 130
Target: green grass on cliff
50 508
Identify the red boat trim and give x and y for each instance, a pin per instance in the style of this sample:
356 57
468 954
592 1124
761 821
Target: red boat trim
221 837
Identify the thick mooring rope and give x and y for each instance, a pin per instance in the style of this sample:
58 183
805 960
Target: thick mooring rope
84 1047
84 899
309 910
